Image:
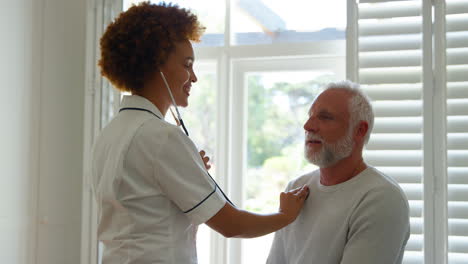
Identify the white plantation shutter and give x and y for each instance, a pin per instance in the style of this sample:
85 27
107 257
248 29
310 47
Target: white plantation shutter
389 61
457 128
411 57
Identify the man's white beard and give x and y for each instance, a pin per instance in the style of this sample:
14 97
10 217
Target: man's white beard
330 154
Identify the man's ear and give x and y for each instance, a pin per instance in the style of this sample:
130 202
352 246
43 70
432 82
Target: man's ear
362 129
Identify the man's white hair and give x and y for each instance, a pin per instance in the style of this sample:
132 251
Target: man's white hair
360 107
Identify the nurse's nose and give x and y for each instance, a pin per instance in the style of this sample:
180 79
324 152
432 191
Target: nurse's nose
193 76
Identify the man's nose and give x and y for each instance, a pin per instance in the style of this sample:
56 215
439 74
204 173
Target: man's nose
310 125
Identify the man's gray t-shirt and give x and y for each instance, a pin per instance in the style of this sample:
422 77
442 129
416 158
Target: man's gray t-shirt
364 220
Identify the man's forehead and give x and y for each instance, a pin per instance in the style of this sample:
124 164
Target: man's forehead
330 101
322 109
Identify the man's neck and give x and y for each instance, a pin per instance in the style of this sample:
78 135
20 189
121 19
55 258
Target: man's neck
343 170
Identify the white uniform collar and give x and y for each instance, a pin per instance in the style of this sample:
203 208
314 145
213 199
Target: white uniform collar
136 101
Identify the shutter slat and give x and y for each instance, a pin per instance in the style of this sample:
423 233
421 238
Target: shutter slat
415 243
416 225
458 227
381 1
458 192
457 39
412 191
403 174
399 91
390 10
387 43
457 23
390 27
457 7
457 56
457 209
416 208
458 244
457 73
457 158
457 90
457 258
394 157
397 108
457 141
401 125
387 59
457 124
458 175
413 257
457 106
390 75
395 142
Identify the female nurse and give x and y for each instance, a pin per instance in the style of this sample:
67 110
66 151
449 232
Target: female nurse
151 184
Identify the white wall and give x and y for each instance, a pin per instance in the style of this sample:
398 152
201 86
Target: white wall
16 132
41 138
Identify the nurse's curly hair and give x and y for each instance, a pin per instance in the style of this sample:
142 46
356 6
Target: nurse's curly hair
140 40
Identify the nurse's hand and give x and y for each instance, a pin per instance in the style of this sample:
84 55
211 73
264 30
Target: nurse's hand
291 202
205 159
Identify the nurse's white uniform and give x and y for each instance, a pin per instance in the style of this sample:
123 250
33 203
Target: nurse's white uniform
151 187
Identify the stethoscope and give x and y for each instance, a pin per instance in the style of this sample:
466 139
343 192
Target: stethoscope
181 122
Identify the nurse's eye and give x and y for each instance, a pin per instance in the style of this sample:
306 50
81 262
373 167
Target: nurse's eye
188 64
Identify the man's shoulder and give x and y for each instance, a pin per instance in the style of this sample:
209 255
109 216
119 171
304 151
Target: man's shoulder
381 180
379 184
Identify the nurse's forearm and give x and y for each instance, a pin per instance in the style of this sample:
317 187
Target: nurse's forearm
232 222
254 225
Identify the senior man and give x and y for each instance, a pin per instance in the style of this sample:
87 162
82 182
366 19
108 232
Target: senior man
356 214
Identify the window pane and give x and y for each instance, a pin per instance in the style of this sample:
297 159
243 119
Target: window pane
278 104
211 15
270 21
